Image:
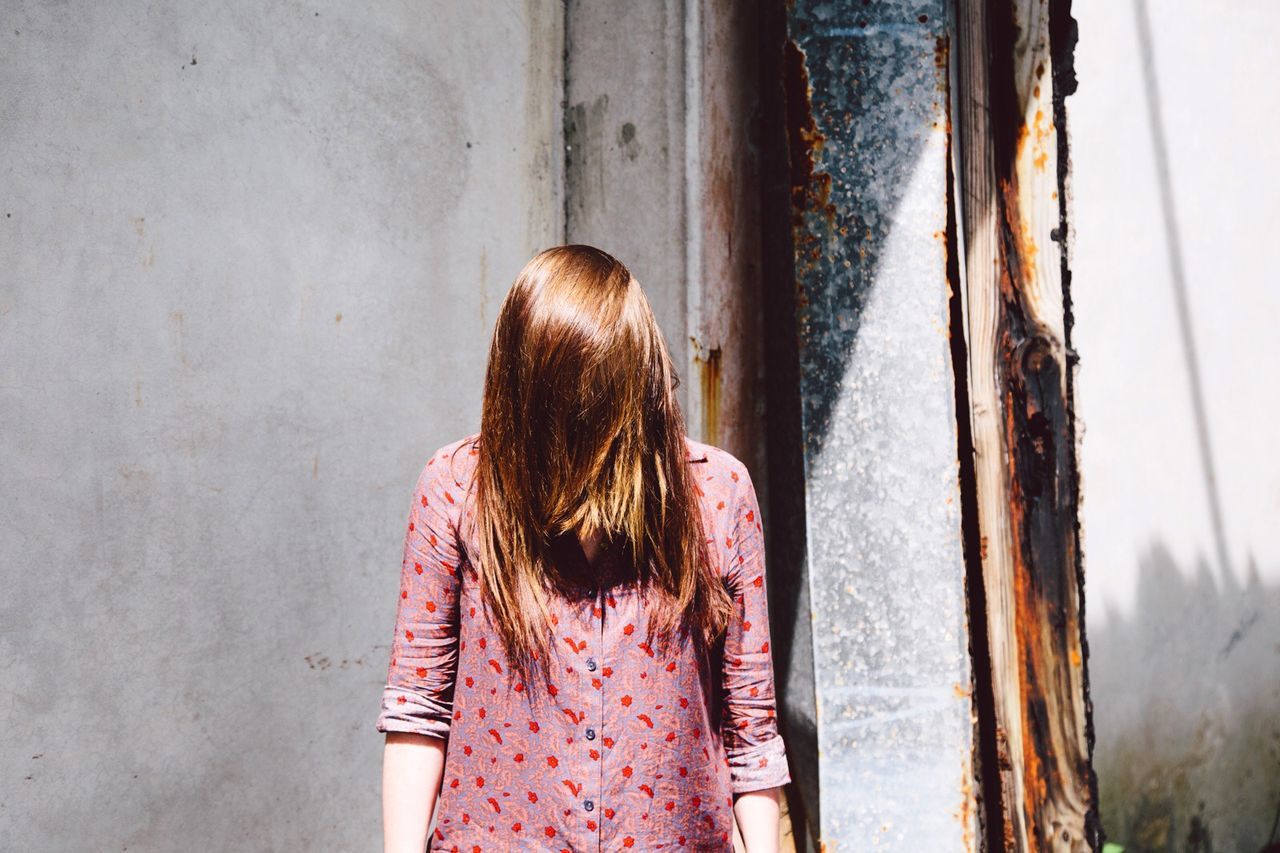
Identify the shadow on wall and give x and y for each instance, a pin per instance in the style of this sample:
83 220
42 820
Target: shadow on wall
1186 694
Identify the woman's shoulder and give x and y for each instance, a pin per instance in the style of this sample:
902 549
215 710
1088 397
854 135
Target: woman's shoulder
451 464
716 461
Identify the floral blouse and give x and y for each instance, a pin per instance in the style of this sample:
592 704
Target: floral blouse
632 750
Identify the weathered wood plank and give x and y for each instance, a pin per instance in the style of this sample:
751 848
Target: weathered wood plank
1023 430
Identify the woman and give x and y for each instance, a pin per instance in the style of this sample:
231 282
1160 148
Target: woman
581 651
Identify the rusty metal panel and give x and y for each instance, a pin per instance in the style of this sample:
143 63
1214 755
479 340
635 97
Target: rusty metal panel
868 114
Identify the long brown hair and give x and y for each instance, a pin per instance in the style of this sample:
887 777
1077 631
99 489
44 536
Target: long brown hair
581 432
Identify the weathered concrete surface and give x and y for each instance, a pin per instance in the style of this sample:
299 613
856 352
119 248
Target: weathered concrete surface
885 564
251 255
624 136
1175 193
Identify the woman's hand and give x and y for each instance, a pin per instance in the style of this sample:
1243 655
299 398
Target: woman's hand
757 818
412 768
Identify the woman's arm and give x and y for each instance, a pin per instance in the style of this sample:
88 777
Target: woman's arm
758 764
412 767
757 814
417 701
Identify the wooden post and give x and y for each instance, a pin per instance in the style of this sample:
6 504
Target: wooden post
1014 71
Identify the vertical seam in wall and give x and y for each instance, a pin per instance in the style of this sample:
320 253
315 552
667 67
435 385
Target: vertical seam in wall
561 137
692 208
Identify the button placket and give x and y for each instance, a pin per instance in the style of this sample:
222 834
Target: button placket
593 663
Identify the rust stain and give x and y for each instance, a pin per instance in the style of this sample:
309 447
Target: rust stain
711 381
810 187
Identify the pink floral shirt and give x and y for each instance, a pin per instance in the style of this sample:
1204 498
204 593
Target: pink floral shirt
632 750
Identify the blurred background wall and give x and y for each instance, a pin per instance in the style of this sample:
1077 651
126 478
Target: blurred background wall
1175 298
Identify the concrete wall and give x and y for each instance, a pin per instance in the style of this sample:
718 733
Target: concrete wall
250 255
1175 192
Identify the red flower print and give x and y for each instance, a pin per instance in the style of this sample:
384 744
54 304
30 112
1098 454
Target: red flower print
628 629
553 761
607 672
609 813
417 567
421 671
515 827
408 635
518 757
431 607
759 581
533 798
628 842
626 771
684 702
626 701
479 781
533 726
550 831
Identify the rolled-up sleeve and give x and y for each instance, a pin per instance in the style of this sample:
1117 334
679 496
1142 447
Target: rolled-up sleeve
756 754
418 696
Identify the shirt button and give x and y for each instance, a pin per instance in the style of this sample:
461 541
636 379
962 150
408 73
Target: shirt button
591 664
588 805
591 734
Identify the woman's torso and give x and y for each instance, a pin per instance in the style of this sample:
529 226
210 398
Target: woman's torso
625 754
